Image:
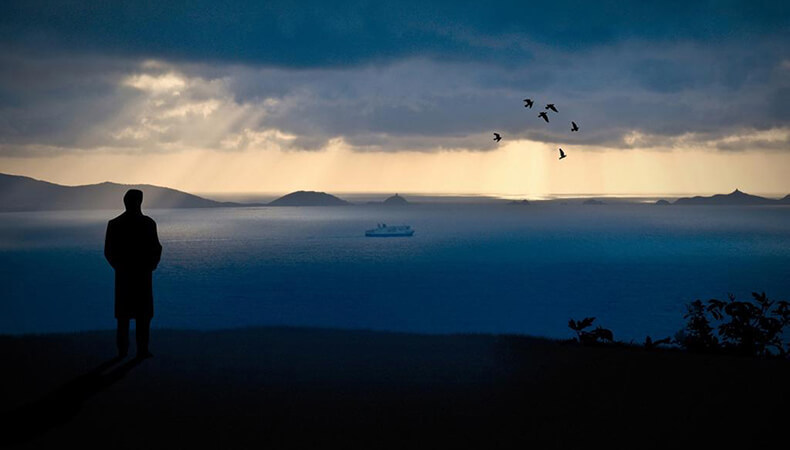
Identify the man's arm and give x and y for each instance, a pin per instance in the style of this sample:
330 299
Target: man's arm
109 247
156 250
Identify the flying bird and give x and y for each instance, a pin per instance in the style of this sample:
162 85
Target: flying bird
574 127
544 116
497 137
528 103
562 154
551 107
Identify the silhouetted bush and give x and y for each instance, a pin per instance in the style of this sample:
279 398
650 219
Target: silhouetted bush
751 328
698 334
747 328
596 336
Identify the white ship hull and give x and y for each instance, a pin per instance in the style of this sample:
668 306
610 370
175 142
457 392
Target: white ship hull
392 231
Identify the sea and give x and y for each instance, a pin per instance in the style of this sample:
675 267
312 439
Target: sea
471 267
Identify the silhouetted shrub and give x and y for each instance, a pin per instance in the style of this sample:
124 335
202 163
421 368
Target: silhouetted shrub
698 334
596 336
749 328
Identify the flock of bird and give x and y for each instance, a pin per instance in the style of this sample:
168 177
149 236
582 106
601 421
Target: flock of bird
528 103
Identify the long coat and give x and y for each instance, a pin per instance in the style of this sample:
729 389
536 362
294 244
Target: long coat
132 248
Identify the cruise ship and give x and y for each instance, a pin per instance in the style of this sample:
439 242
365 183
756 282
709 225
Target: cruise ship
383 230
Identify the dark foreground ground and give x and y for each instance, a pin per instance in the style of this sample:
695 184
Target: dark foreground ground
311 388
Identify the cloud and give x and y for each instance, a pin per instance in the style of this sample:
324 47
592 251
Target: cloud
410 105
154 83
316 33
417 77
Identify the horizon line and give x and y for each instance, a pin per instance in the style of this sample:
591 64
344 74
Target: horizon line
498 195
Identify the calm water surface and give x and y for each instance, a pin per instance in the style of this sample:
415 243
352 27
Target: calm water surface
469 268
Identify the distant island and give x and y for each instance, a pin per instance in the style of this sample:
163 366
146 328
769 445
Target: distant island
395 200
592 201
308 198
735 197
19 193
662 202
519 202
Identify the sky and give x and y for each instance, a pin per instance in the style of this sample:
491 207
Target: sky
671 97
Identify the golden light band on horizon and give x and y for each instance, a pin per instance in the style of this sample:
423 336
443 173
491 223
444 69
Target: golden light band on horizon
517 168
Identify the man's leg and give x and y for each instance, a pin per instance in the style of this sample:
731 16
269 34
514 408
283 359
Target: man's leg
142 334
122 337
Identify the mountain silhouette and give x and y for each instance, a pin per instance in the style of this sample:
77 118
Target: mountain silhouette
308 198
395 200
735 197
19 193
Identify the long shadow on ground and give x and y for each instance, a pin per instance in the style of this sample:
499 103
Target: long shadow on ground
63 404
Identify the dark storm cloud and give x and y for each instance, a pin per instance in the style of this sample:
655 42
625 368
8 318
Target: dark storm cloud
390 76
317 33
54 101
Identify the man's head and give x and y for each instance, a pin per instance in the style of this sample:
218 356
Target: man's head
133 200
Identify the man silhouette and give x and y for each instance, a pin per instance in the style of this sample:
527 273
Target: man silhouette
132 248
